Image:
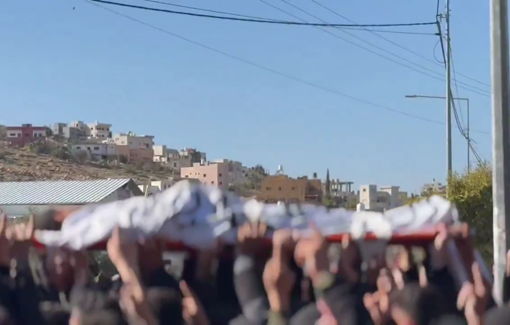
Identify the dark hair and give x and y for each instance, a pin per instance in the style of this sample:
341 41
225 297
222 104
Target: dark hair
90 299
47 221
166 305
424 305
100 317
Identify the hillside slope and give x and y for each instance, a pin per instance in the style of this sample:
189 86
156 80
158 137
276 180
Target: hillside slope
23 165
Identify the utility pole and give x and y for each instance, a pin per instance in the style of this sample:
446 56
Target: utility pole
467 135
500 143
468 138
448 93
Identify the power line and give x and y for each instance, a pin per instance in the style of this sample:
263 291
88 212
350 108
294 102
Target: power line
454 107
462 131
438 76
208 10
394 43
456 86
251 20
363 29
273 71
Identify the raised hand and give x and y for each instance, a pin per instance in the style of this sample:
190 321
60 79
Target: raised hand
5 257
192 309
278 278
312 253
251 237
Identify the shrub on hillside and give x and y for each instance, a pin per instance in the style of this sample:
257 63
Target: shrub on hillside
40 148
61 153
80 156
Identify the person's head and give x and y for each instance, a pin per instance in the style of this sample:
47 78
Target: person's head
166 305
97 317
497 316
416 305
92 306
59 269
89 298
50 219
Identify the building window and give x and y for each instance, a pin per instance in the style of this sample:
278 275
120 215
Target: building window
205 175
364 190
96 148
293 188
268 188
219 175
212 182
186 176
279 188
78 148
221 183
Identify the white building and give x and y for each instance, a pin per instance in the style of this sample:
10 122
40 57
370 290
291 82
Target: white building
237 173
387 197
157 186
99 130
433 188
163 154
134 141
26 198
97 151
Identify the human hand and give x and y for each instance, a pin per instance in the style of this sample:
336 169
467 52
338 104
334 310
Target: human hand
378 306
251 237
192 309
475 291
20 237
278 278
124 255
349 266
5 254
312 253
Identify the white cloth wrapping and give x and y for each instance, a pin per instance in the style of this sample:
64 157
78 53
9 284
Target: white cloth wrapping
197 215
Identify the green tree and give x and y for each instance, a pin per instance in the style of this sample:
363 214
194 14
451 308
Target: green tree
472 195
256 176
329 202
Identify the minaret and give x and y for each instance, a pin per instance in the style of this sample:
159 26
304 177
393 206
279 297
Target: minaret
327 189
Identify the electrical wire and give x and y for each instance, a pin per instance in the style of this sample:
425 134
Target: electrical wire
252 20
363 29
438 76
270 70
454 108
462 131
392 42
208 10
434 52
456 87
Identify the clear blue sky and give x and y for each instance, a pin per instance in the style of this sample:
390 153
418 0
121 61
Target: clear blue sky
60 64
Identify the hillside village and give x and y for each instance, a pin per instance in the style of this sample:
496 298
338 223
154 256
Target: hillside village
91 151
79 151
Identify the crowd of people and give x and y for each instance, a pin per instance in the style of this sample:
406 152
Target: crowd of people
288 280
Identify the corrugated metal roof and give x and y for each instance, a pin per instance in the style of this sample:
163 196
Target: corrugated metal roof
58 192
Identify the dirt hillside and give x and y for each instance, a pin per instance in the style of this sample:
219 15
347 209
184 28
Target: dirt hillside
23 165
